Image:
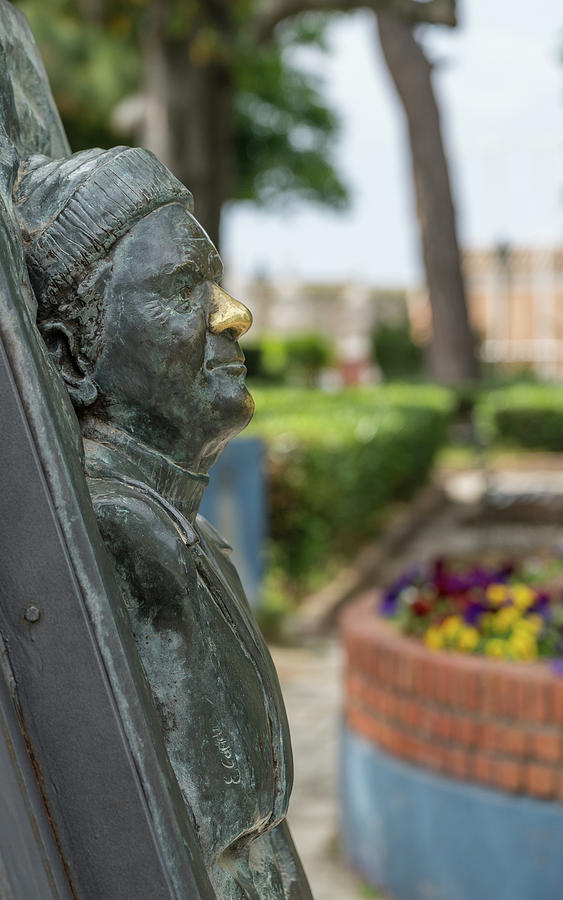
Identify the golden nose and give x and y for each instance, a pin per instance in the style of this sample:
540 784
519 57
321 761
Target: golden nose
228 314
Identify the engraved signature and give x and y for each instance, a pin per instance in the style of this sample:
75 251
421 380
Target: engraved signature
227 757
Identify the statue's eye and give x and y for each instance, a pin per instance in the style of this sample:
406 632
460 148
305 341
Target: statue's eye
183 299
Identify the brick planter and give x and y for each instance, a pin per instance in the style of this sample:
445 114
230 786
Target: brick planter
442 752
476 719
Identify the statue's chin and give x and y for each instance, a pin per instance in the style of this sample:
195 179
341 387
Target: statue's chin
233 403
234 417
250 406
238 412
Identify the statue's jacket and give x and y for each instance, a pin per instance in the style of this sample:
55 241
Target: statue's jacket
211 675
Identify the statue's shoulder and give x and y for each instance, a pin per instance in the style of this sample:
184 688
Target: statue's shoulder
218 550
213 538
131 509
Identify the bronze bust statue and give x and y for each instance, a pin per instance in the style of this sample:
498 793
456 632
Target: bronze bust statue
134 317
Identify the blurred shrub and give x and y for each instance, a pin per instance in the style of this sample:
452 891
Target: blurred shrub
335 461
295 359
529 415
395 352
307 354
274 358
253 360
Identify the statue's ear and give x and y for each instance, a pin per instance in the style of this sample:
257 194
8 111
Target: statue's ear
63 350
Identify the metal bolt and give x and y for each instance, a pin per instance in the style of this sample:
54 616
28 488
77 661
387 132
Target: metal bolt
32 614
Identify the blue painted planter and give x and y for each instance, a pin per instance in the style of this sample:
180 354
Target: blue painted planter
235 503
422 836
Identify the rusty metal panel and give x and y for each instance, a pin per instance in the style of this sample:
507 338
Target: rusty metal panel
30 865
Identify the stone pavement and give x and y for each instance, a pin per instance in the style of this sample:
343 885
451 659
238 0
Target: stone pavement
310 680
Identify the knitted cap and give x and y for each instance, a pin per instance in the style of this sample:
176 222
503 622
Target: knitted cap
71 211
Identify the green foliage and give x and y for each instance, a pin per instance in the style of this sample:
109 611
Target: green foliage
527 414
283 130
275 603
91 67
367 891
335 461
395 352
309 353
273 361
295 359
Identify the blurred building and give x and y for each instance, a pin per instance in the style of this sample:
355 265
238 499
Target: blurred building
345 313
515 298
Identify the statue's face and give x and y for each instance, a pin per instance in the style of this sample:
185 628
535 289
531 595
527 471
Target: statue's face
171 371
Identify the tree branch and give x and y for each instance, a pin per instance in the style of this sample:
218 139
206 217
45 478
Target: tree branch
434 12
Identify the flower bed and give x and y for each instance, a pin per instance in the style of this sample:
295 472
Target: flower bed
452 749
509 612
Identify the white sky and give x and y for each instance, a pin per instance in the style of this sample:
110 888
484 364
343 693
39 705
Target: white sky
500 87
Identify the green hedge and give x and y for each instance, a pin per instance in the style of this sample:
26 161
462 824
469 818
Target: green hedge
527 415
335 461
296 359
395 352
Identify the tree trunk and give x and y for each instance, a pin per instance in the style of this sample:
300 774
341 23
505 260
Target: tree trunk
453 350
188 118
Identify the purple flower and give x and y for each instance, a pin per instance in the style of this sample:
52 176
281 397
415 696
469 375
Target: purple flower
473 611
556 666
388 606
409 577
542 606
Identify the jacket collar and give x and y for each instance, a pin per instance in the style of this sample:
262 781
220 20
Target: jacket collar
181 487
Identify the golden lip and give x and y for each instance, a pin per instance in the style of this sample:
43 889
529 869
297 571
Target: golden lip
228 314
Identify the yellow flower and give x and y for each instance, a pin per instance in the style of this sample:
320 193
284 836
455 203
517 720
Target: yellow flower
497 594
433 638
532 624
450 627
522 595
468 639
486 622
505 619
523 646
495 647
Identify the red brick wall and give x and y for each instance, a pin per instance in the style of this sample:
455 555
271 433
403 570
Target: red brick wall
476 719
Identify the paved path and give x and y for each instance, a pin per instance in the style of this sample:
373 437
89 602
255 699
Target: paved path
310 679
